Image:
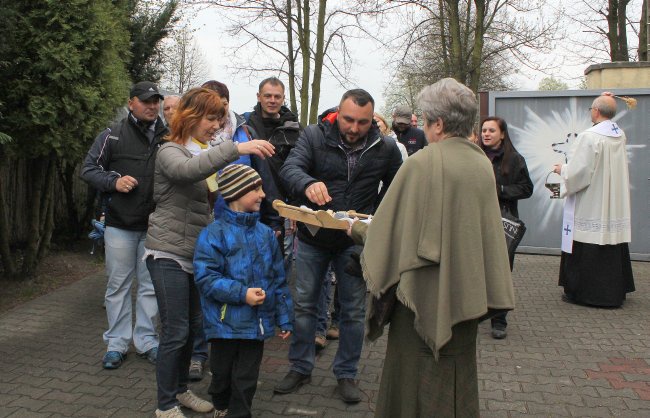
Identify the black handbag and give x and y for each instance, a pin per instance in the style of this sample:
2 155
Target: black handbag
514 229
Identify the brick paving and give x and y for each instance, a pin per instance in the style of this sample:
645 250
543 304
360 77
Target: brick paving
558 359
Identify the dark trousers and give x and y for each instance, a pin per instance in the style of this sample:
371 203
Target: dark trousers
180 318
235 366
499 321
200 350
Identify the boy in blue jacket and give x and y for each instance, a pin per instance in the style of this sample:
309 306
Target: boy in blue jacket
239 271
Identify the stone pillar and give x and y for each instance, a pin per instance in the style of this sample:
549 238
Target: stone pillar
618 75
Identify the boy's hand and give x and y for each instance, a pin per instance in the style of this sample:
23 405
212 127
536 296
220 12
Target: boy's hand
255 296
285 334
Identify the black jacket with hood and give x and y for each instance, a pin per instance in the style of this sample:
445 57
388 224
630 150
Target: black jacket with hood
319 156
283 136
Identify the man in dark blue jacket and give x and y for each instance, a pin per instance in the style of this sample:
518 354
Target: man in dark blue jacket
407 134
337 164
120 165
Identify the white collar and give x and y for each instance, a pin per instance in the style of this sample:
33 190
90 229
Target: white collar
194 148
607 128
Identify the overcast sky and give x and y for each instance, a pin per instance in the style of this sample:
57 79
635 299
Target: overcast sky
368 71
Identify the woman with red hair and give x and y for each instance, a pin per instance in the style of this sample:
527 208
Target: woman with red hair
184 166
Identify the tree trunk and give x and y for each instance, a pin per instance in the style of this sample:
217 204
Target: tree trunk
643 33
477 51
612 29
318 61
38 168
91 211
48 211
456 47
67 171
292 60
467 26
182 46
443 37
409 90
304 32
623 53
5 233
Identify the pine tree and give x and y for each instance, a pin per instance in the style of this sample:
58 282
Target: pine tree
64 75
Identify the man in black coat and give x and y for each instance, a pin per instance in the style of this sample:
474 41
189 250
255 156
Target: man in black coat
337 164
275 123
411 137
120 165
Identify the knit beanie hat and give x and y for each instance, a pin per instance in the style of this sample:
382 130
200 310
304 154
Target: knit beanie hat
236 180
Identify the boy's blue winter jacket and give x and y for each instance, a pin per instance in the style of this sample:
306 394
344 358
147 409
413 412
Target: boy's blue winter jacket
233 253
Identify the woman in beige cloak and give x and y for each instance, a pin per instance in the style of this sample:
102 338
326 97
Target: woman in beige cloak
437 236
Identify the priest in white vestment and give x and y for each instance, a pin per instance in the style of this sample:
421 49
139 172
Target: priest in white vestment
595 268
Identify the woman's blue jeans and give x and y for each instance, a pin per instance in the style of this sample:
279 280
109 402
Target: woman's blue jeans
180 317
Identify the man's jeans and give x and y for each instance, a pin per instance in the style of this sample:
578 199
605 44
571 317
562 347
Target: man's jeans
124 252
289 243
311 264
180 319
324 303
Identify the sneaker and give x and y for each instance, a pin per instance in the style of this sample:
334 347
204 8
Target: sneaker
332 332
499 333
113 359
219 413
196 370
291 382
349 391
320 342
193 402
175 412
150 355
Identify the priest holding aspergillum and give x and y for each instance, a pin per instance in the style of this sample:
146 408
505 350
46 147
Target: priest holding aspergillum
595 268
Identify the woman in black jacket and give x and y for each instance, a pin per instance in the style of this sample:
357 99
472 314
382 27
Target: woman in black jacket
512 179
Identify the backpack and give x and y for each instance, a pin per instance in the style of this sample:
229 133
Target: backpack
284 138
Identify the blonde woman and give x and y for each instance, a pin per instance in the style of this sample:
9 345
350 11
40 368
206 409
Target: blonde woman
385 131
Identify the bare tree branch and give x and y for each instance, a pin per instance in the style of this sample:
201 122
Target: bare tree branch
304 39
184 64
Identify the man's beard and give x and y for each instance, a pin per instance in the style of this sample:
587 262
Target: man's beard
345 139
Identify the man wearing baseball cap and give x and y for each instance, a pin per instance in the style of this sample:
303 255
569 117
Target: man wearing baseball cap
411 137
120 165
